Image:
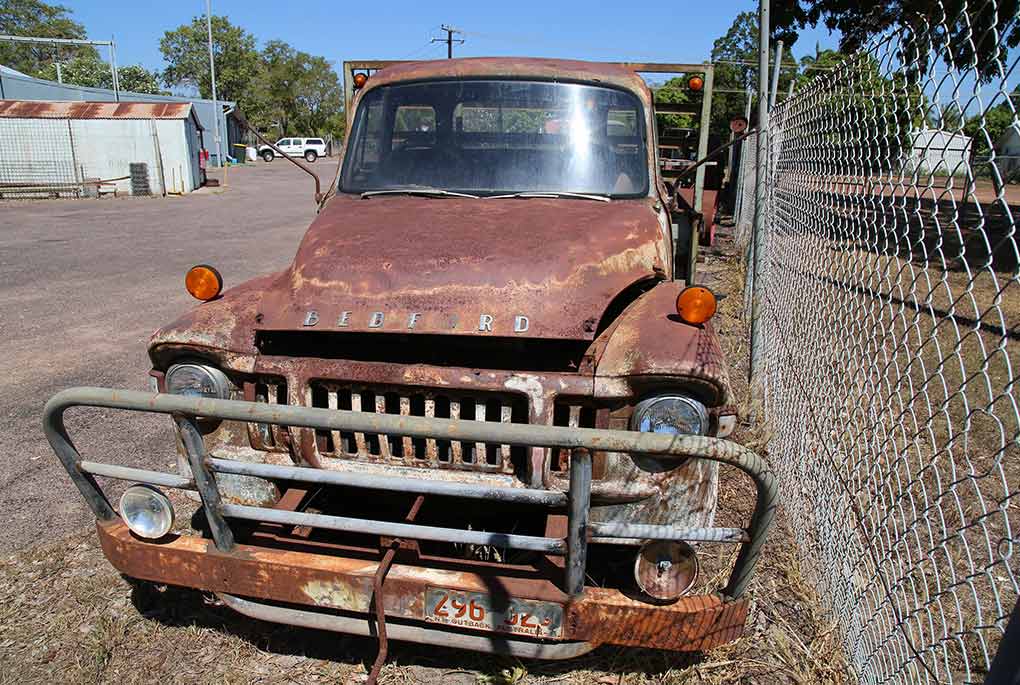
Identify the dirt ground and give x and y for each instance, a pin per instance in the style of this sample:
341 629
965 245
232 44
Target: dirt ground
82 285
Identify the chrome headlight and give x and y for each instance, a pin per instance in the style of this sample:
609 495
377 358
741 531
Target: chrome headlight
147 511
197 380
670 414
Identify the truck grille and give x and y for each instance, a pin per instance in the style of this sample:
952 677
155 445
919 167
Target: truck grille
408 451
264 436
574 413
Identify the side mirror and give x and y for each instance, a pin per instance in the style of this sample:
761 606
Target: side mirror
249 127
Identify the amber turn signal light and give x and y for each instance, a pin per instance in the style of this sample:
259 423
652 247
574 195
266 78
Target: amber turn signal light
203 282
359 80
696 304
695 83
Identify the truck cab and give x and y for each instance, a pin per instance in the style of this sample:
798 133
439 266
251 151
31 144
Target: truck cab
485 402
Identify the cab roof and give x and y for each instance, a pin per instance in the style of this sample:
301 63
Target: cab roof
514 67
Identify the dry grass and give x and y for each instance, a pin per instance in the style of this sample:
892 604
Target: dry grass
66 616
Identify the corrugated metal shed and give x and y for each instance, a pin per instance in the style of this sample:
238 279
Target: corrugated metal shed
28 109
74 149
16 86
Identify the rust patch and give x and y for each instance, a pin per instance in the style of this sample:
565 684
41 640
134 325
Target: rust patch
26 109
599 615
336 594
649 339
223 325
465 267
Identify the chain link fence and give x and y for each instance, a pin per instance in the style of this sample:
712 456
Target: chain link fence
888 345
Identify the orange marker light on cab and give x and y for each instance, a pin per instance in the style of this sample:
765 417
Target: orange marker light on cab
203 282
695 83
359 80
696 304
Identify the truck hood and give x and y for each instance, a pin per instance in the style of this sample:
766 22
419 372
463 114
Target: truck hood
535 267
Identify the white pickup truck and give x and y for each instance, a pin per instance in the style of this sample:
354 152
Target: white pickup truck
309 148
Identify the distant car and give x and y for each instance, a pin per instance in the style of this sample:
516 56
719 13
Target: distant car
309 148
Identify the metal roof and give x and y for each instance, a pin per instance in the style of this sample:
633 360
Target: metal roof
30 109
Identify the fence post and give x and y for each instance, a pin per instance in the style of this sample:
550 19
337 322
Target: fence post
1005 668
775 74
757 237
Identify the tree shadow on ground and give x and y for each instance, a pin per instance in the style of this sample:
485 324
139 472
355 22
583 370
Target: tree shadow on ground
177 607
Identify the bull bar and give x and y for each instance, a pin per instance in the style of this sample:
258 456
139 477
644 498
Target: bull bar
576 501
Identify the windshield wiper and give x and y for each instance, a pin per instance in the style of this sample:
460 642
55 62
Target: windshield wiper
552 193
430 192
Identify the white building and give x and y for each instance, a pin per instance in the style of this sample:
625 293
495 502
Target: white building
53 149
934 151
1007 154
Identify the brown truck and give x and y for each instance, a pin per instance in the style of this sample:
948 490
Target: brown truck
482 408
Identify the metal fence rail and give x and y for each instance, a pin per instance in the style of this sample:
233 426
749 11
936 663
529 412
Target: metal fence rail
889 299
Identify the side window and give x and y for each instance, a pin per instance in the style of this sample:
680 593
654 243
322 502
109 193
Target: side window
368 152
283 143
621 123
472 119
414 126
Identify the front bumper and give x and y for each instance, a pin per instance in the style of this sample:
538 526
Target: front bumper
339 591
327 583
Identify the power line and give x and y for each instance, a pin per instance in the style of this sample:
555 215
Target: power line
414 53
449 40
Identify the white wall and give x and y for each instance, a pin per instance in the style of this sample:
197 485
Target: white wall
178 141
1007 153
105 148
940 152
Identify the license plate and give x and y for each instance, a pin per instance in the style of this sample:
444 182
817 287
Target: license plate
482 612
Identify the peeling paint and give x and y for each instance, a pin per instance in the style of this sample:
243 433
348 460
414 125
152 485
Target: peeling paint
336 594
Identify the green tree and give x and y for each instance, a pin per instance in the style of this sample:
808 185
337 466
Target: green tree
237 61
674 91
39 20
137 79
302 92
819 64
735 55
986 128
87 69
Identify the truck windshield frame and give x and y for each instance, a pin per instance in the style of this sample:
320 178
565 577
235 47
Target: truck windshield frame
498 137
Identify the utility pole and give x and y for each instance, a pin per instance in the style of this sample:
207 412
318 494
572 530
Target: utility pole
113 68
775 74
212 77
449 40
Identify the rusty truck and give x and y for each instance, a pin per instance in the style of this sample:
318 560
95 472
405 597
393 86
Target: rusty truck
483 407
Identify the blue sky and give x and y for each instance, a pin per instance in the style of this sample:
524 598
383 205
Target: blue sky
664 31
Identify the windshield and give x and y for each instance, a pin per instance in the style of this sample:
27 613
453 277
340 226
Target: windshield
498 138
